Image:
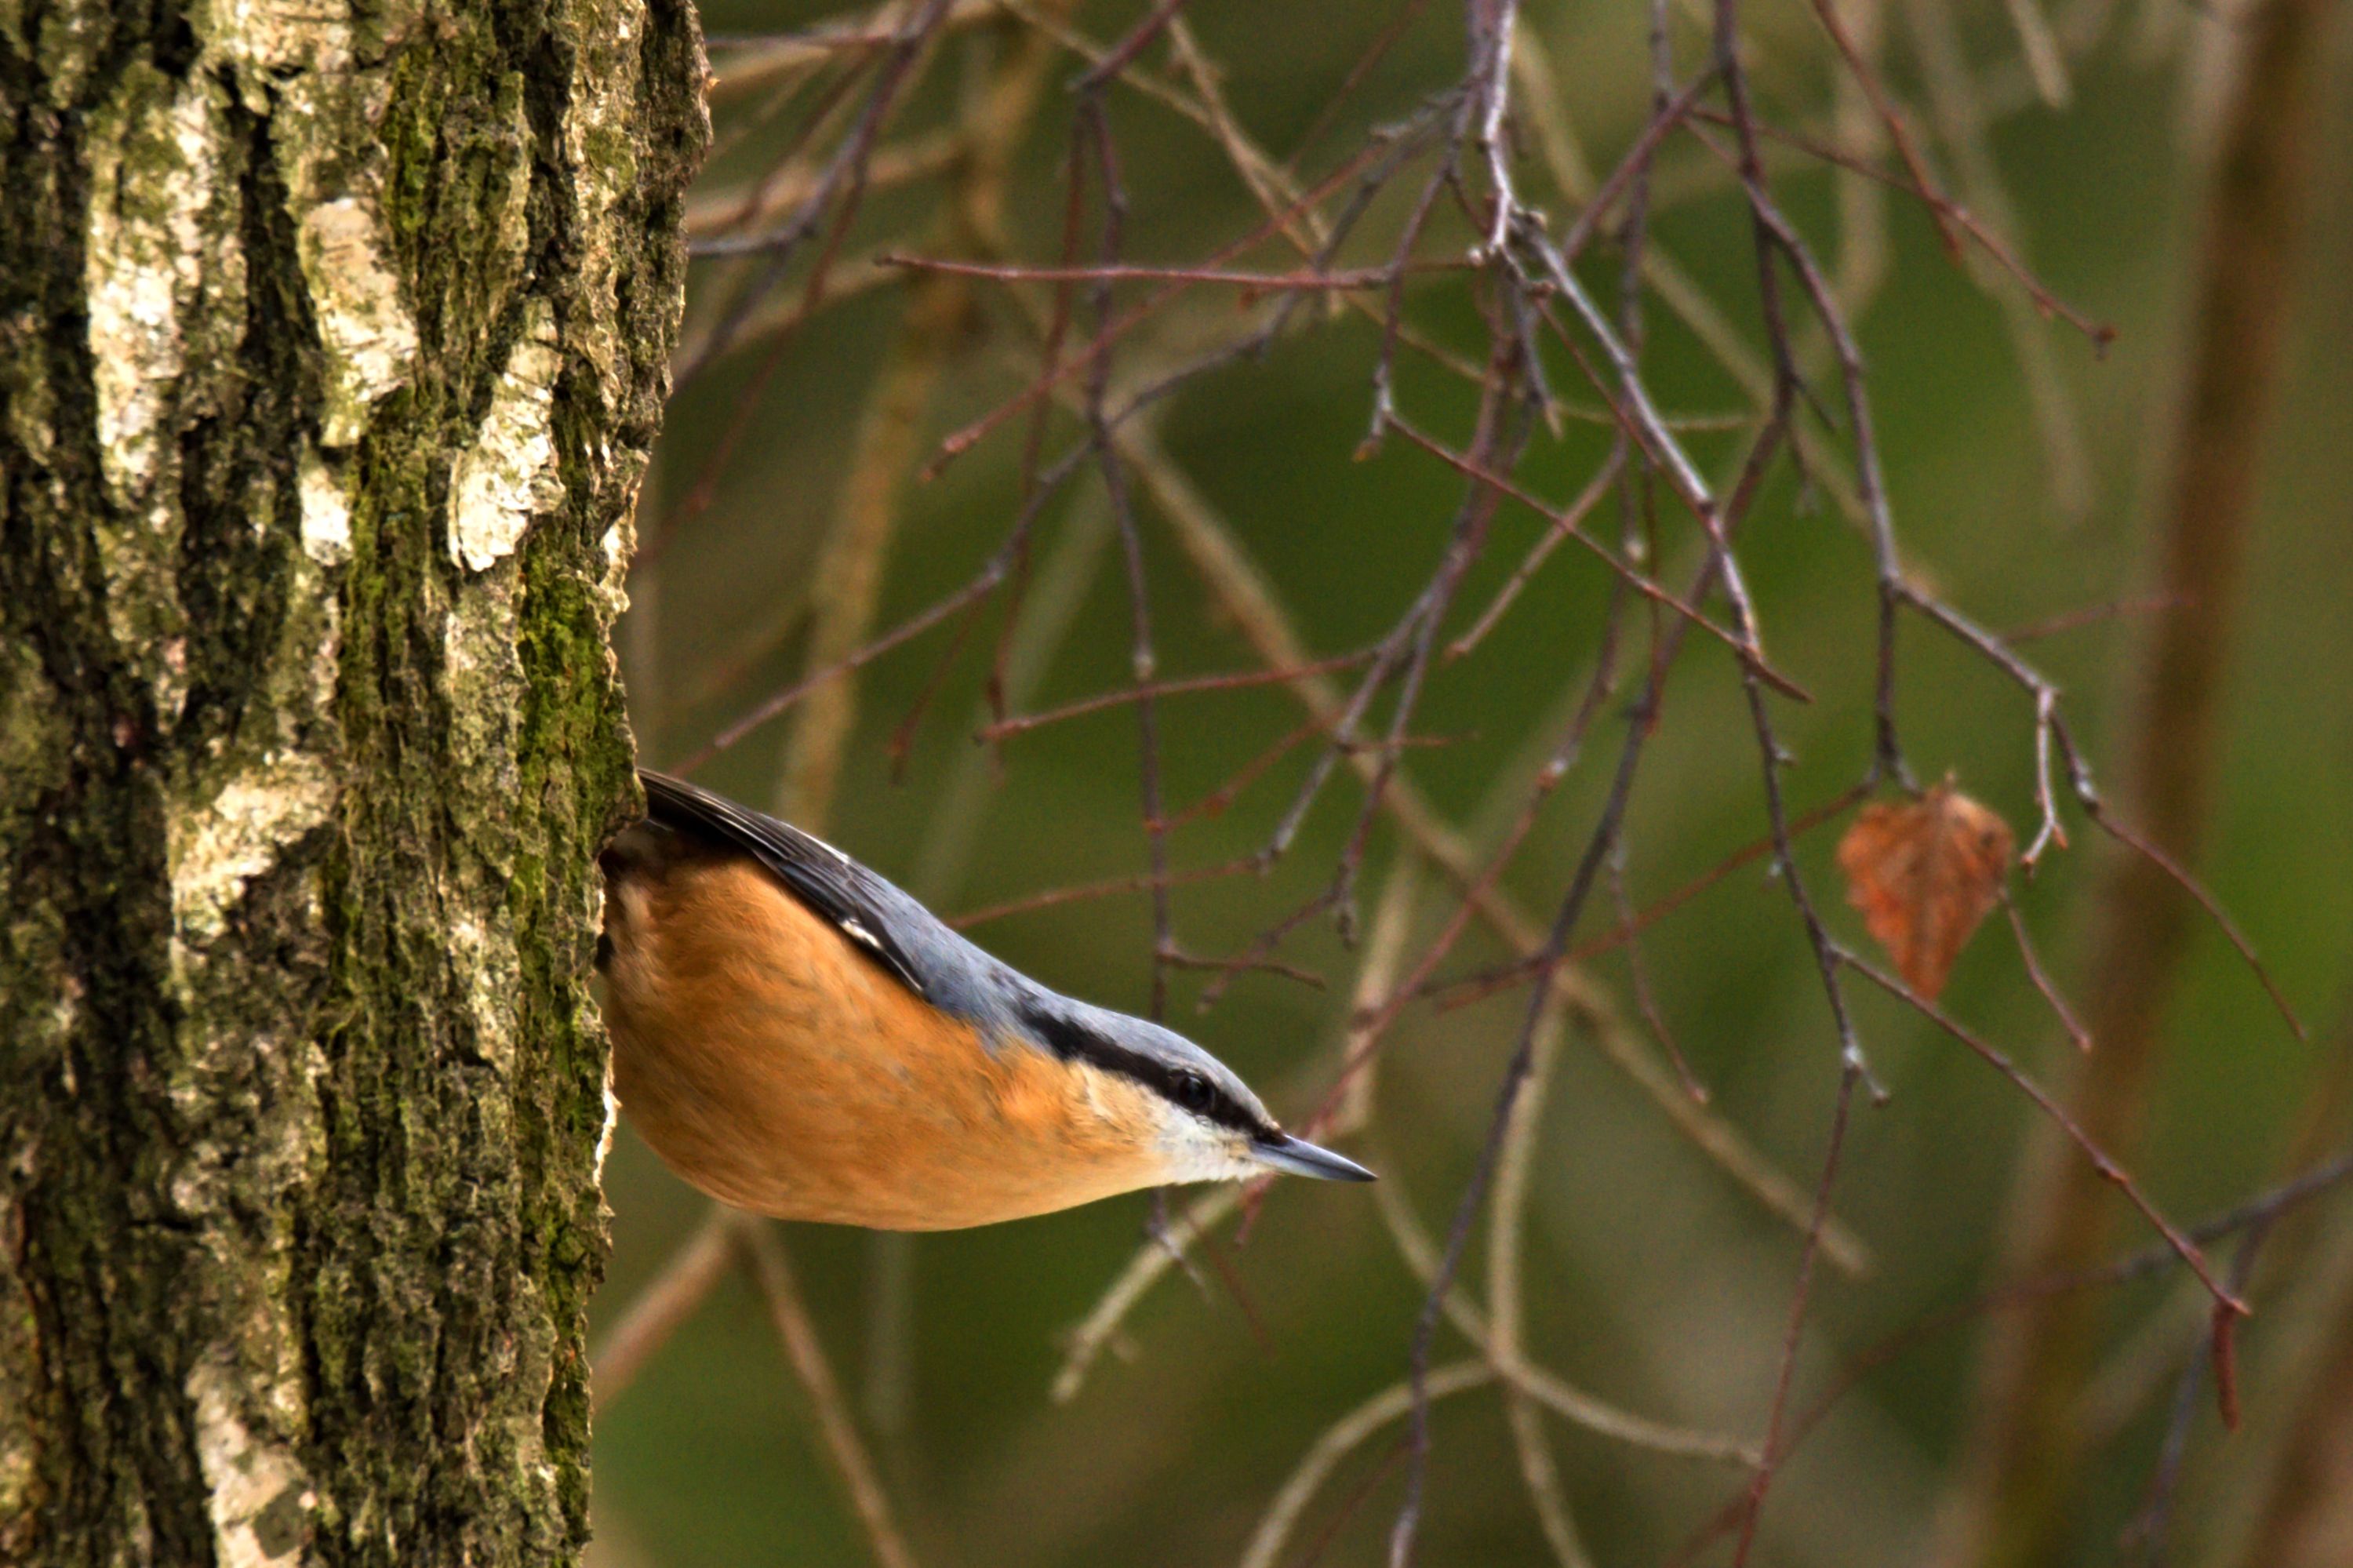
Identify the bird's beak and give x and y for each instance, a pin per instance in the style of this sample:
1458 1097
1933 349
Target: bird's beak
1300 1158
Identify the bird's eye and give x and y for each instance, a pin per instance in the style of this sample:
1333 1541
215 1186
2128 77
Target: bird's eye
1193 1092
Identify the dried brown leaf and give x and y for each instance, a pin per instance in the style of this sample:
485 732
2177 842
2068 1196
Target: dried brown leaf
1923 873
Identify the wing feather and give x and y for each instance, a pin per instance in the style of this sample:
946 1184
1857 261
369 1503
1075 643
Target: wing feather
832 885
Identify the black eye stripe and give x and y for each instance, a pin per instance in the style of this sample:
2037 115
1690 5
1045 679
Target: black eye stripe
1185 1087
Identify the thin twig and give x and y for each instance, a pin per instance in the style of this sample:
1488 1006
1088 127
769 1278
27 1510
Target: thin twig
1145 882
1960 120
2102 1164
1339 1440
1237 680
763 1254
1506 1285
660 1305
1423 1255
1244 593
1850 1073
2023 1452
2324 1176
1392 920
2042 982
1898 131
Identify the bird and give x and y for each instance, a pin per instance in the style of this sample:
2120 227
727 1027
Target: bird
797 1037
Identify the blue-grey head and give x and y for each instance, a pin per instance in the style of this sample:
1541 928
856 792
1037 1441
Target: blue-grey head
1203 1122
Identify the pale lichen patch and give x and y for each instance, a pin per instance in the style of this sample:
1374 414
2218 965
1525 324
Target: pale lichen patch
492 975
368 336
480 641
612 1125
510 473
600 147
284 35
326 515
613 582
258 1496
217 847
151 163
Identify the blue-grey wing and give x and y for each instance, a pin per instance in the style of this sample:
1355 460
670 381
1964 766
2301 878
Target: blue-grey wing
866 909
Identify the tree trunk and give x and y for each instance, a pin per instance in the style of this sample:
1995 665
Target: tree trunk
330 347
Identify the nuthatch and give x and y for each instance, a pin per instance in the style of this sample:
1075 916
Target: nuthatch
795 1036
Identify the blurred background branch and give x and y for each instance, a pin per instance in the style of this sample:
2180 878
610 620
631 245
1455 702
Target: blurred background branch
2015 1505
1339 322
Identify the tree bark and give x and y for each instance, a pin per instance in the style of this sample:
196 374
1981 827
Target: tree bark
331 343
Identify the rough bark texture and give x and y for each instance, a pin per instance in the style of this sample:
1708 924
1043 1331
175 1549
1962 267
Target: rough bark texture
330 345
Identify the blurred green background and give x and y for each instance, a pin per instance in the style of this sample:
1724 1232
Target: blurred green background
1651 1280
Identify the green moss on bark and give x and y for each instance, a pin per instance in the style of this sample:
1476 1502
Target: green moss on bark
298 793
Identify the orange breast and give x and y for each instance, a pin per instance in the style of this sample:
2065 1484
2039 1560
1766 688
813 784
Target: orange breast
772 1067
